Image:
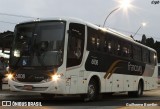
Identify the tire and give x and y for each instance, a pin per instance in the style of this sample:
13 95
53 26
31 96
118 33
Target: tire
137 93
48 96
93 91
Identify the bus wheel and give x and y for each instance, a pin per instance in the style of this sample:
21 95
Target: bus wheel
47 96
92 91
137 93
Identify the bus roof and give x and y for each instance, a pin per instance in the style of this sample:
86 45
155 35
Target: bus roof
76 20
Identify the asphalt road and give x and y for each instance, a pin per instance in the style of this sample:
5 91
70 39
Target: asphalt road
118 100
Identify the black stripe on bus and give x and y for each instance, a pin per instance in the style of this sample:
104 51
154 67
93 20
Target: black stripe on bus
110 64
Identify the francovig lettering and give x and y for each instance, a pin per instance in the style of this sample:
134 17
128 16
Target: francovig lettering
135 68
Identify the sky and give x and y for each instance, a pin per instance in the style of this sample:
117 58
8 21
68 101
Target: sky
93 11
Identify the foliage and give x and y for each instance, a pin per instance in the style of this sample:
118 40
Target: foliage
151 43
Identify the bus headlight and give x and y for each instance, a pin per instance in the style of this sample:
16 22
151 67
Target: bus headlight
10 76
16 53
55 77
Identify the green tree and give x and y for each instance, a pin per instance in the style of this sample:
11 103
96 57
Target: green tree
150 42
143 41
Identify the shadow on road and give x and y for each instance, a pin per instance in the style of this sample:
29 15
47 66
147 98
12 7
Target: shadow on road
114 100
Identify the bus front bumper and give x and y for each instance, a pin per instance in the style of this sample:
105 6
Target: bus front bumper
54 87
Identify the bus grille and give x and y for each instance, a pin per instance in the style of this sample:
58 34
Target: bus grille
31 75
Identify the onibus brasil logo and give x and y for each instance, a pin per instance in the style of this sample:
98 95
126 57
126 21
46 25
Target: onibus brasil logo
15 103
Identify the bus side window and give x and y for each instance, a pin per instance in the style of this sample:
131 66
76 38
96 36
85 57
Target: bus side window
98 43
94 41
101 43
137 53
91 41
110 47
109 44
105 45
126 50
117 48
75 44
130 53
153 58
145 55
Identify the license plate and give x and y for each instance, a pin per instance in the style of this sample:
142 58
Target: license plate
28 87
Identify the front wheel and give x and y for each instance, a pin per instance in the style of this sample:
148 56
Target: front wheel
93 92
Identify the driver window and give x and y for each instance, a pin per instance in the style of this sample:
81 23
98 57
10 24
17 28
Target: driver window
75 44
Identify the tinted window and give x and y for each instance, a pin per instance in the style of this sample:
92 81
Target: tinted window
152 58
125 49
145 55
110 45
137 53
117 47
94 40
38 44
75 44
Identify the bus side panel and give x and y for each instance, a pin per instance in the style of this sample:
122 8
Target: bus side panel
117 82
109 82
150 77
128 82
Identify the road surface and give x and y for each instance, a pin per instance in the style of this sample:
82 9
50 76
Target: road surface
118 100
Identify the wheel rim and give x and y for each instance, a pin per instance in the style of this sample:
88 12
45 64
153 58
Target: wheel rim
91 91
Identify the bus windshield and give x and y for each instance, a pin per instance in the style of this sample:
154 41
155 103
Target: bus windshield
38 44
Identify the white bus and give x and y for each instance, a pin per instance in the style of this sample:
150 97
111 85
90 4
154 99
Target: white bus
64 56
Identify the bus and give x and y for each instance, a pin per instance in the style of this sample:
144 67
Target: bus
69 56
